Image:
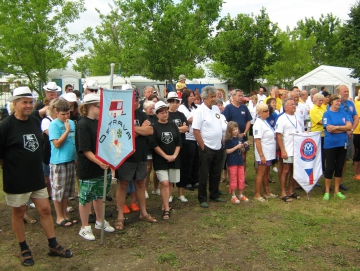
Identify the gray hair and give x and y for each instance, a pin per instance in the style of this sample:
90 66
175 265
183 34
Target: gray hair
233 92
274 88
287 99
219 101
318 96
313 90
148 103
207 90
340 86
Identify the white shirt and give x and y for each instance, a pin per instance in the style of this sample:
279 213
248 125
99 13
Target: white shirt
223 125
288 125
208 121
309 104
261 98
45 123
262 130
188 114
252 110
301 112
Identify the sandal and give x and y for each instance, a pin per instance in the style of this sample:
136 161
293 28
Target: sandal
64 224
30 220
148 218
286 199
119 224
27 258
166 215
59 251
261 199
271 180
72 220
295 196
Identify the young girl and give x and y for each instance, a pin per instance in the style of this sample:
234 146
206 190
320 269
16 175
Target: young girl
234 148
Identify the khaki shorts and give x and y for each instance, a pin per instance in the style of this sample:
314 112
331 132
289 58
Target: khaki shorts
17 200
289 160
172 175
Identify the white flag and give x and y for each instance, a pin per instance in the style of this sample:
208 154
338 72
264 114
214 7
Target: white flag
307 159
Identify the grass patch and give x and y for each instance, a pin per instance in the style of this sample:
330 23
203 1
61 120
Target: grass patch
168 257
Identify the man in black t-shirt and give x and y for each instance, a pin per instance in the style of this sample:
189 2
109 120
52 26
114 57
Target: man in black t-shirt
134 168
21 147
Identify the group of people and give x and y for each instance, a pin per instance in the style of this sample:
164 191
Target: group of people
187 143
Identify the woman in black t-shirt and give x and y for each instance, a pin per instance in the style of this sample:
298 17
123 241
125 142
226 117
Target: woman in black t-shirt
166 142
181 122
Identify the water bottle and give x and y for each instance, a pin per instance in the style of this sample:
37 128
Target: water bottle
308 125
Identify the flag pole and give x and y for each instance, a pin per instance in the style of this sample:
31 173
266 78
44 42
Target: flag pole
103 208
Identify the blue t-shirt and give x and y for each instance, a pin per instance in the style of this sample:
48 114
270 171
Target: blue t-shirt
349 109
272 119
67 152
332 140
234 158
240 115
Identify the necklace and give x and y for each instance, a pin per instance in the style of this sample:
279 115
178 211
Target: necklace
293 123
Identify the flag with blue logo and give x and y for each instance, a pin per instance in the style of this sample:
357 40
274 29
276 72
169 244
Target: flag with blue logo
115 138
307 159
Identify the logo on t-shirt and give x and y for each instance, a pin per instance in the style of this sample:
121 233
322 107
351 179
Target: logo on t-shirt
167 137
177 122
136 122
325 120
242 112
30 142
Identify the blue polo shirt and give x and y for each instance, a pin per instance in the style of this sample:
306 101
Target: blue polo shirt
349 109
240 115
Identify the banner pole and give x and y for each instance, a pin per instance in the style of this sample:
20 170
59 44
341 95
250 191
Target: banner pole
307 195
103 208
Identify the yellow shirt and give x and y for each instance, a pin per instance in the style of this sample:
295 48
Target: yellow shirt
324 106
180 86
278 102
357 129
316 115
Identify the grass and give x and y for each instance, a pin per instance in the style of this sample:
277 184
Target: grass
305 234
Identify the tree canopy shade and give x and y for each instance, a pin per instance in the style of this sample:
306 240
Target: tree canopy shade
243 47
34 38
158 39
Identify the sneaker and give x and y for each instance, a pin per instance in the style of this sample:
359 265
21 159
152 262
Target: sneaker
235 200
171 199
146 195
339 195
86 233
156 192
126 209
107 226
134 207
244 199
182 199
275 169
326 196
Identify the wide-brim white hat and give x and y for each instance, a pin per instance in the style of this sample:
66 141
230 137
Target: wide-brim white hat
173 96
51 86
91 84
159 105
21 92
91 98
70 97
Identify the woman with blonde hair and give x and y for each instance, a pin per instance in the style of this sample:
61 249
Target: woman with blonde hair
265 149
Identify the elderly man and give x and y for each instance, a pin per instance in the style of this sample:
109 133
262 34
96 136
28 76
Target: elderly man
148 90
21 148
238 112
51 92
274 93
134 167
309 101
286 126
91 86
208 134
349 109
301 111
261 96
303 96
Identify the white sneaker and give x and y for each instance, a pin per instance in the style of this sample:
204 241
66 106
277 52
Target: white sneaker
275 169
32 205
183 199
171 198
107 226
156 192
146 195
86 233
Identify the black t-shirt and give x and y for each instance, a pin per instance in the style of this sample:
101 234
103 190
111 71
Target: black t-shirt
21 150
141 147
167 137
178 118
40 106
153 119
85 140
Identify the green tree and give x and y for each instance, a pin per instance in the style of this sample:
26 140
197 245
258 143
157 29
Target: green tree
294 58
34 37
243 47
349 35
162 39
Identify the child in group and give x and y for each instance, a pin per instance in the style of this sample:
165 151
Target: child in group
62 162
234 148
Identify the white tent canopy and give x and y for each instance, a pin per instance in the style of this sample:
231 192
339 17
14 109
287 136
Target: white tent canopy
328 76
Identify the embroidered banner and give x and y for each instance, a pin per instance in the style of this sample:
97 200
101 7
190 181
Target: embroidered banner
307 159
115 138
